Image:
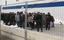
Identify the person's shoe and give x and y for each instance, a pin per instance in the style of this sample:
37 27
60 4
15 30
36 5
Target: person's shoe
48 29
41 31
45 29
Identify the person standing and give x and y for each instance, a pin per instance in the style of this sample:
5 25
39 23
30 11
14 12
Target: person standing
48 20
43 20
23 21
30 21
39 22
17 18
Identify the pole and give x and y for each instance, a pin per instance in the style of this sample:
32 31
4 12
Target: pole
26 20
0 19
5 2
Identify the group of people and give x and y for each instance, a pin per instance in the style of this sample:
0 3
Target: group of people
34 20
8 18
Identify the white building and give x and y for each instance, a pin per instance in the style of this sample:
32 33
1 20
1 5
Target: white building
55 7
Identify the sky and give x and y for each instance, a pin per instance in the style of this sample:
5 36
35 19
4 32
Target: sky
2 2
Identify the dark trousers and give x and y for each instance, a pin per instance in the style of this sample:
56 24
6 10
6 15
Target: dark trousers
34 25
48 26
39 26
23 25
18 23
31 25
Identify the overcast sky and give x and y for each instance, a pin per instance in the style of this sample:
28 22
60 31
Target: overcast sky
2 2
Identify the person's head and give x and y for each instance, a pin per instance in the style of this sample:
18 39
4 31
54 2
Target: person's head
28 14
35 14
49 13
18 13
43 14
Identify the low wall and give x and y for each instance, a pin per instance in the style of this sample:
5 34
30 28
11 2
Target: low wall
19 34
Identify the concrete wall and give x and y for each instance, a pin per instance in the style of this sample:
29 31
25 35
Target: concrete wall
18 34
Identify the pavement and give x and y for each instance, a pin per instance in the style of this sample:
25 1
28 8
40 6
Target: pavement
4 38
56 32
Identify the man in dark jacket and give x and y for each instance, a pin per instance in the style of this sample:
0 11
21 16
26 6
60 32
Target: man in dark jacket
48 20
12 18
23 21
38 20
6 18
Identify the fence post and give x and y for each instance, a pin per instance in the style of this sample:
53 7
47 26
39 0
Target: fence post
26 5
0 19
